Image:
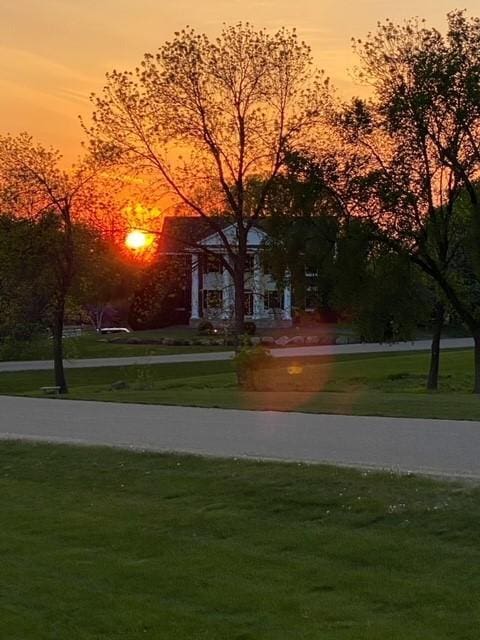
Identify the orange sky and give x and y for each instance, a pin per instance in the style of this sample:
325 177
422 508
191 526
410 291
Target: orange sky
53 53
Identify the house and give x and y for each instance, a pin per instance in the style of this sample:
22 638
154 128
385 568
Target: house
209 289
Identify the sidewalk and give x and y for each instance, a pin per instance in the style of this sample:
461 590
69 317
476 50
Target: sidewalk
287 352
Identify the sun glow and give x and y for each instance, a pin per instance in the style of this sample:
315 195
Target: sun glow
137 240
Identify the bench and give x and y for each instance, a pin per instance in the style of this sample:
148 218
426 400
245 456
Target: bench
50 390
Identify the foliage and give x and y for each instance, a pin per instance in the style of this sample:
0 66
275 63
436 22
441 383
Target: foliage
417 134
102 276
392 303
28 250
250 328
229 109
205 327
161 292
248 362
302 229
33 184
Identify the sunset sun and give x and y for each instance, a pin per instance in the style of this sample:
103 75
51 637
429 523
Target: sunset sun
138 240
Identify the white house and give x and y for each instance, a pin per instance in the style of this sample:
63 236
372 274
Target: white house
211 288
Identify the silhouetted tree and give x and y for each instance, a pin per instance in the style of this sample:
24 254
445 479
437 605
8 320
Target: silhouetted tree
203 117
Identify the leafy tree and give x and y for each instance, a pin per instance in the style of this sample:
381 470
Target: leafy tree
204 117
102 275
160 292
26 250
417 135
34 184
303 222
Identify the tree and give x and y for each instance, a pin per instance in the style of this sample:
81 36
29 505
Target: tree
102 274
204 117
160 293
419 153
302 226
34 184
26 247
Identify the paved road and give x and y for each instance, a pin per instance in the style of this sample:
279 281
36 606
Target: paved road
439 447
296 352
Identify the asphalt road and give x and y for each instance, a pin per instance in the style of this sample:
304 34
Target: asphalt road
440 447
296 352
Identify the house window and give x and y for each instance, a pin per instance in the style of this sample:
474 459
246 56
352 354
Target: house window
311 271
248 303
273 300
212 264
212 299
250 263
311 299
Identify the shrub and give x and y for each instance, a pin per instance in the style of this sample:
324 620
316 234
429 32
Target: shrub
248 362
250 328
205 328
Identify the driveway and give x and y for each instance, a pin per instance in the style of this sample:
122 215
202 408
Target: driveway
287 352
439 447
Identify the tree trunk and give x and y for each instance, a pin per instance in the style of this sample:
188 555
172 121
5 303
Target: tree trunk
239 282
476 386
432 382
57 331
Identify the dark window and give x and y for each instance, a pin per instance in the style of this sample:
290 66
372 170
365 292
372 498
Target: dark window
273 300
212 299
250 263
248 303
311 299
311 270
212 264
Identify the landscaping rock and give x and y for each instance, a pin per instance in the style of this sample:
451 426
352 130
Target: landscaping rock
255 341
282 341
312 341
343 340
296 341
267 340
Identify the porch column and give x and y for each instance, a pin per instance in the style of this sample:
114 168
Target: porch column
258 301
226 293
287 300
195 315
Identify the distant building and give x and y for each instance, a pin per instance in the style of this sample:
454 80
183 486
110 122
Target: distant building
209 289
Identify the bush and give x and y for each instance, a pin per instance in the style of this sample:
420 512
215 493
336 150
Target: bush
248 362
250 328
205 328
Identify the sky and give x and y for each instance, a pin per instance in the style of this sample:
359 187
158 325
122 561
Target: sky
54 53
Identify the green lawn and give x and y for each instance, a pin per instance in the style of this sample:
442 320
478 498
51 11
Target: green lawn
369 384
99 543
93 345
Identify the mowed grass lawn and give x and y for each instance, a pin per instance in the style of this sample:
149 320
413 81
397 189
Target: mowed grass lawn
102 543
364 384
94 345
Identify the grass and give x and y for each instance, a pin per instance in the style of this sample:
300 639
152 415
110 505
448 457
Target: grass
93 345
362 384
102 543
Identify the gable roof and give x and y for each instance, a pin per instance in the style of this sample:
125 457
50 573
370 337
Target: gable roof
182 234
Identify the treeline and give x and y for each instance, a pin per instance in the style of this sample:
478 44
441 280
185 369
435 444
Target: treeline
245 127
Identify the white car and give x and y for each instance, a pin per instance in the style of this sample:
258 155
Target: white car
114 330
